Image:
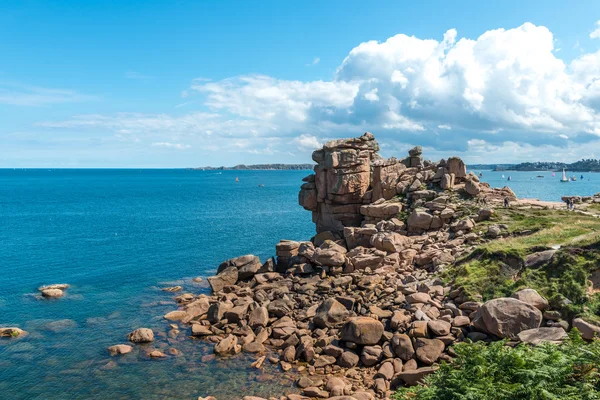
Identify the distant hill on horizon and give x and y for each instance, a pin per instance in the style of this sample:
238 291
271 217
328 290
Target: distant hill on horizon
589 165
242 167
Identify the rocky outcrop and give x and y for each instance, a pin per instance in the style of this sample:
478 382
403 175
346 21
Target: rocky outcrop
342 177
361 300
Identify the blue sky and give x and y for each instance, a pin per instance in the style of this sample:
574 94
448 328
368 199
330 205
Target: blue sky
178 83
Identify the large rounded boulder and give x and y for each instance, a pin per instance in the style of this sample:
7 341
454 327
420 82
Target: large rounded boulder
506 317
362 330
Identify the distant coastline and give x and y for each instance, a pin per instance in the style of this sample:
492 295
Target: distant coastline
590 165
242 167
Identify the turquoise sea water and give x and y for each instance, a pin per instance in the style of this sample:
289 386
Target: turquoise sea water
528 185
118 236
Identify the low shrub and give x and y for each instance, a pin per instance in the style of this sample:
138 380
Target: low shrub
499 372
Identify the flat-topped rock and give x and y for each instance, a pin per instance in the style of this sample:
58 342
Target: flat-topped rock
119 349
540 335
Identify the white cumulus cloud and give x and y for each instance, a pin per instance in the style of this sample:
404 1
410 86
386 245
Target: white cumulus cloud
307 142
504 86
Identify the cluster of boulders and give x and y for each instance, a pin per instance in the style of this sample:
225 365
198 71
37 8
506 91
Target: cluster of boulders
357 310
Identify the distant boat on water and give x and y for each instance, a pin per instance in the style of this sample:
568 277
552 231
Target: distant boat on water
564 177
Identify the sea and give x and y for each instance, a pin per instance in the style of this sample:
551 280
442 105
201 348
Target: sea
118 236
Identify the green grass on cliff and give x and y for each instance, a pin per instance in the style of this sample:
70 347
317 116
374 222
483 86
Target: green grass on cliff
495 269
497 372
546 228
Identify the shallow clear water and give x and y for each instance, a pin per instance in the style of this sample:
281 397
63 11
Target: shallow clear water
117 236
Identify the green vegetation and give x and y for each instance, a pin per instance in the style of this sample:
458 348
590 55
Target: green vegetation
543 228
496 269
499 372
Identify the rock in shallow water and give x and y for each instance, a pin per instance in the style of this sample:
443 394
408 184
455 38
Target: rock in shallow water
141 335
11 332
119 349
52 293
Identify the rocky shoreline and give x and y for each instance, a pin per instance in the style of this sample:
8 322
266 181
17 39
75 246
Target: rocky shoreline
361 308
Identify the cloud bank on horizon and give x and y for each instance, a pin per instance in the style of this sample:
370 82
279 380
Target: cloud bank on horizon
504 96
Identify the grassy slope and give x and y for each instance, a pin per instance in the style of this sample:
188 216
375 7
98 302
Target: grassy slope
498 372
484 275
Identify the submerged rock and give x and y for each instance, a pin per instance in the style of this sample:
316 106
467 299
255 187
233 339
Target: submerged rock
119 349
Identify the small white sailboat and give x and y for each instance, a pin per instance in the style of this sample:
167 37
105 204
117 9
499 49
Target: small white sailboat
564 177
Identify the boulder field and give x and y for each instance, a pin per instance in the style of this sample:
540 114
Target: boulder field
359 309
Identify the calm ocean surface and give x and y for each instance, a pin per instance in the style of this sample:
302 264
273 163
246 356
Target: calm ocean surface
117 236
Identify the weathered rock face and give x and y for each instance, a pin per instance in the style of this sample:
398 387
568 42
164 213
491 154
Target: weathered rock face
385 178
342 178
457 167
507 317
226 277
